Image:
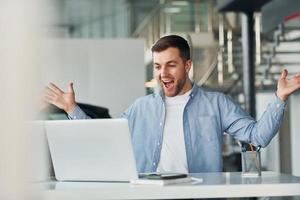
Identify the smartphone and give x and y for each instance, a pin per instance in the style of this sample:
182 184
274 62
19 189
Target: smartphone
162 176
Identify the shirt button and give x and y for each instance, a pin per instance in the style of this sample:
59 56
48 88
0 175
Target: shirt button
158 143
74 117
154 163
160 123
278 105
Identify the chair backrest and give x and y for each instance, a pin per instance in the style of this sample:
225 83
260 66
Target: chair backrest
54 113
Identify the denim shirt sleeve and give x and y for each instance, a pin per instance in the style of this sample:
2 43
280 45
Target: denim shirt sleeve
128 115
243 127
78 114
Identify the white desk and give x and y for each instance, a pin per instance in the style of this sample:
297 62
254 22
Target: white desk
214 185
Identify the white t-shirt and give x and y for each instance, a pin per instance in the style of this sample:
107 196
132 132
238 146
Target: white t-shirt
173 153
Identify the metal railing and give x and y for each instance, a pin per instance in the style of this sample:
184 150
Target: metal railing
172 16
219 71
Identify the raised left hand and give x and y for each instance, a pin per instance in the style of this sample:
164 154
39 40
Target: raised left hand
285 87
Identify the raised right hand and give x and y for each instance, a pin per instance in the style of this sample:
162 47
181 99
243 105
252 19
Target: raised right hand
63 100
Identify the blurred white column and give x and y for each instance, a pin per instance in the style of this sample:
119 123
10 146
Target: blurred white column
20 45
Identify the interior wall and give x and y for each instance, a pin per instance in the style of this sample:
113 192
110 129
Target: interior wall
108 73
295 133
270 156
272 159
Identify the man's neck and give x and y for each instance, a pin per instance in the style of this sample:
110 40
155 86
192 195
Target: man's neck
187 87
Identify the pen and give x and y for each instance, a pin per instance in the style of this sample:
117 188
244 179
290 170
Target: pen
258 148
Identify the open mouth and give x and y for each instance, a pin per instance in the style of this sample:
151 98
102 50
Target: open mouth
168 83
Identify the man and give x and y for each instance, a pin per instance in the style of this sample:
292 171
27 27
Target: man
180 128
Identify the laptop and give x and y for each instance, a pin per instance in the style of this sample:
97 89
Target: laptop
91 150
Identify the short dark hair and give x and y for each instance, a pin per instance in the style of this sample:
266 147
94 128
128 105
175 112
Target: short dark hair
173 41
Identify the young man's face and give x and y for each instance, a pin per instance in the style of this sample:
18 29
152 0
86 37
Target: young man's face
171 72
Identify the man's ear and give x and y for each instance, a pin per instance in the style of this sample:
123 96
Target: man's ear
188 65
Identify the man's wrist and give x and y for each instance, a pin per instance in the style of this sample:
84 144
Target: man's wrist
282 97
70 109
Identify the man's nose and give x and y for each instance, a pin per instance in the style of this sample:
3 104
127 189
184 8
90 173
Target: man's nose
164 71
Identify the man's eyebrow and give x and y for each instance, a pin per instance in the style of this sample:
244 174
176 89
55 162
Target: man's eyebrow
171 61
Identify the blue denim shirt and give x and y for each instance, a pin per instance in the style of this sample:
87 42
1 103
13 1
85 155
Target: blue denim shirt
206 116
